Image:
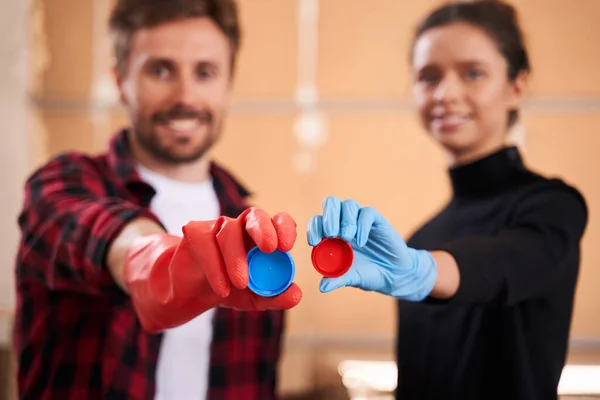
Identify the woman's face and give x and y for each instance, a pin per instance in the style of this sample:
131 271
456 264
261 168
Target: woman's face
462 91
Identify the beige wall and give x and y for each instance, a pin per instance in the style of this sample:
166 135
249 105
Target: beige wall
14 157
375 151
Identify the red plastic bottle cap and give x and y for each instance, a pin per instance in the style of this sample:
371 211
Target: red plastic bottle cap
332 257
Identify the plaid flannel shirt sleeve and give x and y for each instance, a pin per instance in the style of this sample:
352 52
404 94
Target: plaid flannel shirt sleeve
67 224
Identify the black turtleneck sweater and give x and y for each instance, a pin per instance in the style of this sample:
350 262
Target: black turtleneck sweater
515 236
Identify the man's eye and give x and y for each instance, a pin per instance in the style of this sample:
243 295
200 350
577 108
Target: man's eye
160 71
429 79
205 74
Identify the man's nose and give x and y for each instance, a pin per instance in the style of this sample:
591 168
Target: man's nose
185 90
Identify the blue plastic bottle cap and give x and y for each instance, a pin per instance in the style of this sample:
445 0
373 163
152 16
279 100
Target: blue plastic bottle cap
270 273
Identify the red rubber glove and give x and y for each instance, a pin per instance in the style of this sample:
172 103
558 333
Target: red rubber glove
172 280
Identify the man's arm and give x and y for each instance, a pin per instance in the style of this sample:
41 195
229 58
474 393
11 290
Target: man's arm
76 238
68 223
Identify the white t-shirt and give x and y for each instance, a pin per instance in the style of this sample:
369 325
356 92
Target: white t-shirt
184 357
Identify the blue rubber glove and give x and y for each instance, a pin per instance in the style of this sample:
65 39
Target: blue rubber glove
382 261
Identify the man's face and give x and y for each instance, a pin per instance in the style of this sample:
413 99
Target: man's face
176 88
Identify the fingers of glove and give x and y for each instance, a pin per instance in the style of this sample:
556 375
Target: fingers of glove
351 278
259 226
285 226
201 240
332 210
367 217
349 219
314 232
233 250
286 300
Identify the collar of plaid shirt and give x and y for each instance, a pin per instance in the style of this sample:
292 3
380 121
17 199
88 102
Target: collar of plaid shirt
100 350
232 195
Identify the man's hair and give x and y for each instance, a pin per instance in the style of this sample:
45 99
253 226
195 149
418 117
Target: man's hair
129 16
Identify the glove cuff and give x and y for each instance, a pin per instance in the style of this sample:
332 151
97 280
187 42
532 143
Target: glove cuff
167 288
424 275
144 254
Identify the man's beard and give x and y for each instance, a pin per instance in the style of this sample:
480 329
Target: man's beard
148 138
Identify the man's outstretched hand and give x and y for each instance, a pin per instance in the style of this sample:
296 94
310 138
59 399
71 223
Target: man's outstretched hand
171 280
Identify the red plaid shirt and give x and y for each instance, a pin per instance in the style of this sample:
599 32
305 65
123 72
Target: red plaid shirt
76 334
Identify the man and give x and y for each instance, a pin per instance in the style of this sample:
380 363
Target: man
131 273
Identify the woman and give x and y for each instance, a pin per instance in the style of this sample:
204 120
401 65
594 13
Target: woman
486 286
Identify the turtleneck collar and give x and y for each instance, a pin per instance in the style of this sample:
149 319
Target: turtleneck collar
494 173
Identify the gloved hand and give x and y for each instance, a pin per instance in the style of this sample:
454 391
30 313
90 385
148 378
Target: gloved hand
172 280
382 261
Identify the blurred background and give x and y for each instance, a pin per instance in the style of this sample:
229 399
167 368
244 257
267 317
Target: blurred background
322 106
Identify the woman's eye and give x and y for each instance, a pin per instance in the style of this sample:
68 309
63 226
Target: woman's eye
474 74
